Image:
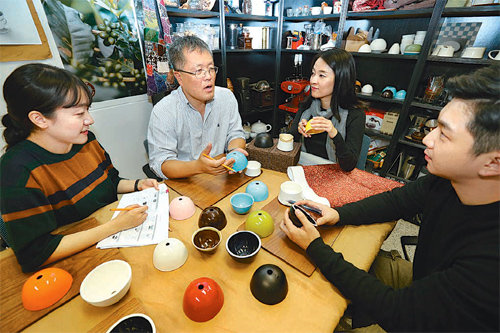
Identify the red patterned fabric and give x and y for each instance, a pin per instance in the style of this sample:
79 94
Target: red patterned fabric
341 187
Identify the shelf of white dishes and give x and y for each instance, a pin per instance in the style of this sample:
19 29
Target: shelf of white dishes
377 98
249 50
299 51
378 134
426 106
456 60
389 14
412 144
305 18
244 17
488 10
385 55
180 12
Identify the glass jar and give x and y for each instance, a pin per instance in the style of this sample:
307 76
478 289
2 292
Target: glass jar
247 7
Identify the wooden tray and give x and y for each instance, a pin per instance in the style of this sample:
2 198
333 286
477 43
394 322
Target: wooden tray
279 244
129 307
205 190
14 316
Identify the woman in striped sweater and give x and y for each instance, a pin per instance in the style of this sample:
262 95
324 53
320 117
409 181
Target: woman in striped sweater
54 171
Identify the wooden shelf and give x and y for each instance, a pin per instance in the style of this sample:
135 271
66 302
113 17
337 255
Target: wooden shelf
371 132
426 106
375 97
456 60
243 17
306 18
390 14
179 12
488 10
384 56
412 144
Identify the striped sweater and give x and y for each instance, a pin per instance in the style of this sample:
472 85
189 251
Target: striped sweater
41 191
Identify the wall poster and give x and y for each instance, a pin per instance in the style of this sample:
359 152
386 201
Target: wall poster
98 41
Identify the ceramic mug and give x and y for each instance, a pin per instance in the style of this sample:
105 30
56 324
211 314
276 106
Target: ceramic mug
285 142
473 52
490 54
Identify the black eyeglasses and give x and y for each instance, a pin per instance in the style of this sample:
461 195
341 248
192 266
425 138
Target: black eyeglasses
201 73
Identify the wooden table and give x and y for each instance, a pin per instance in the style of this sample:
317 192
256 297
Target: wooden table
312 305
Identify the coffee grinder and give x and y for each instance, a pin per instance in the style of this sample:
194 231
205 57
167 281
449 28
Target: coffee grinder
296 86
242 93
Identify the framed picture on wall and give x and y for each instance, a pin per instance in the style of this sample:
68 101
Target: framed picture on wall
98 41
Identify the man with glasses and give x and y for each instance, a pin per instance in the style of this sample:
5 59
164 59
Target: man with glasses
196 120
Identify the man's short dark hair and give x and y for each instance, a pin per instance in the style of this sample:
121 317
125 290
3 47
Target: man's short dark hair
188 43
482 88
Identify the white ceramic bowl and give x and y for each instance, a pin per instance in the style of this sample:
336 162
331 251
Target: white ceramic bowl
169 255
365 48
290 191
253 169
107 283
315 10
378 45
142 315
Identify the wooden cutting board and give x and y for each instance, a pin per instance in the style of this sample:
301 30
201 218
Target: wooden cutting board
14 316
131 306
205 190
282 247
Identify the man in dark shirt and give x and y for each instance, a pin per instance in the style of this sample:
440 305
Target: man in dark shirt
455 285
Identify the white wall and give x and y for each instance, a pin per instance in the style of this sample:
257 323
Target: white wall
120 125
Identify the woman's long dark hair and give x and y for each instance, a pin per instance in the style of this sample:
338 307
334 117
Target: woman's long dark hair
42 88
343 95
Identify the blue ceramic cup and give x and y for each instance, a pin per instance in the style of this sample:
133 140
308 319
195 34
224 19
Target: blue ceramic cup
241 202
240 160
400 94
258 190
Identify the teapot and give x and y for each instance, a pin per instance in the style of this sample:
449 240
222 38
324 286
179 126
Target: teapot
260 127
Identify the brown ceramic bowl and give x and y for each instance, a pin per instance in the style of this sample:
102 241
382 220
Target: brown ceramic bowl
206 239
212 217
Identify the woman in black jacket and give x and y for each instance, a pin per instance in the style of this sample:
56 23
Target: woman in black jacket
333 110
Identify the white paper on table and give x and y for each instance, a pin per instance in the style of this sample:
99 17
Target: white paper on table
296 174
151 231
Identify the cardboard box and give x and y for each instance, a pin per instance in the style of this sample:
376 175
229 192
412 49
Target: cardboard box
389 123
273 158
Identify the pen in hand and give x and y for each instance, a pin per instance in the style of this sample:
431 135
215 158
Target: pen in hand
213 159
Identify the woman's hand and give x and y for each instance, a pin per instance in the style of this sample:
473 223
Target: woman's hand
302 128
302 236
323 124
329 215
147 183
130 219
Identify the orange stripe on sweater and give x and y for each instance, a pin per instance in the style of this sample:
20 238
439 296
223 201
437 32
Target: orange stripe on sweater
60 176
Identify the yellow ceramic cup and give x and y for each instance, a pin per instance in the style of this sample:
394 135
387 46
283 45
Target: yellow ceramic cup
310 130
